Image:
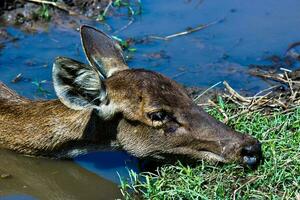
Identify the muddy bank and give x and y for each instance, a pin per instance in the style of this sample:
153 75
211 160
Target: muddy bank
35 15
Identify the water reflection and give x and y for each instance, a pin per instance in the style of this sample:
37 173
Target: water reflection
50 179
109 164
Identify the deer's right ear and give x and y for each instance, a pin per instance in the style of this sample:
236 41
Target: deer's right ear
102 52
77 85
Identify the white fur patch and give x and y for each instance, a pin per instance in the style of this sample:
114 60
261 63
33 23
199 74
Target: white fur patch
107 111
76 152
112 71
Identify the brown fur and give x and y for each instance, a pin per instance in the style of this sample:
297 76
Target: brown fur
33 127
143 92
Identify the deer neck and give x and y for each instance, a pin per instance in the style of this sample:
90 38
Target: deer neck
50 128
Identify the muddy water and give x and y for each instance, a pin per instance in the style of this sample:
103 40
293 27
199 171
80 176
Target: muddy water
250 32
38 178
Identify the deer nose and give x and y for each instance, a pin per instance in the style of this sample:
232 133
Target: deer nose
252 155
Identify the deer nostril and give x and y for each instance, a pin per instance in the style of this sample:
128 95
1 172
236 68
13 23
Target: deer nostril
252 155
250 161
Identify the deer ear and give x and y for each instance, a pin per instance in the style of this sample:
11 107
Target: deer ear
78 86
102 52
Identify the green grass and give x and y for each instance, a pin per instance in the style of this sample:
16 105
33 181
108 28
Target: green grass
134 8
43 13
277 178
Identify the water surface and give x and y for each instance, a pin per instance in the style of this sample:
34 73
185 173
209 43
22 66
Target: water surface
39 178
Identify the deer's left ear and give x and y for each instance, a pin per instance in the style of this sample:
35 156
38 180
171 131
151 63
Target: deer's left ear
77 85
102 52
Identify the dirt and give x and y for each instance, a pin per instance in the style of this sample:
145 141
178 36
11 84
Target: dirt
5 176
29 16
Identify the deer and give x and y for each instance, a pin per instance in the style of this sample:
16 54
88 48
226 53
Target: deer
105 104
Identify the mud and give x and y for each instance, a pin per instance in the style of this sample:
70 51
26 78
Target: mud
33 16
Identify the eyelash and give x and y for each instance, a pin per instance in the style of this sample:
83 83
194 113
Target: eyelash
165 117
158 116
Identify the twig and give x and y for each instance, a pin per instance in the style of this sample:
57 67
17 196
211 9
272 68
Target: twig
293 93
286 70
17 78
290 84
189 31
230 97
251 180
276 128
289 110
205 91
239 114
220 110
234 93
264 90
260 98
107 7
203 104
268 76
58 5
280 103
179 74
126 26
275 77
284 102
132 13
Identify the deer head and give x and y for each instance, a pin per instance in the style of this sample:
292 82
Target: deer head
156 116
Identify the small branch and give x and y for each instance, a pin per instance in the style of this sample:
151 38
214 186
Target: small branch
107 8
132 13
235 191
276 128
267 101
189 31
264 90
235 94
230 97
126 26
58 5
257 100
275 77
239 114
286 70
289 81
220 110
205 91
281 104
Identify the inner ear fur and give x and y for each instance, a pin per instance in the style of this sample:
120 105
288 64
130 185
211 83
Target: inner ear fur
77 85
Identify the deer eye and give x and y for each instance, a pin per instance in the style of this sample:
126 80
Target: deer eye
158 116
